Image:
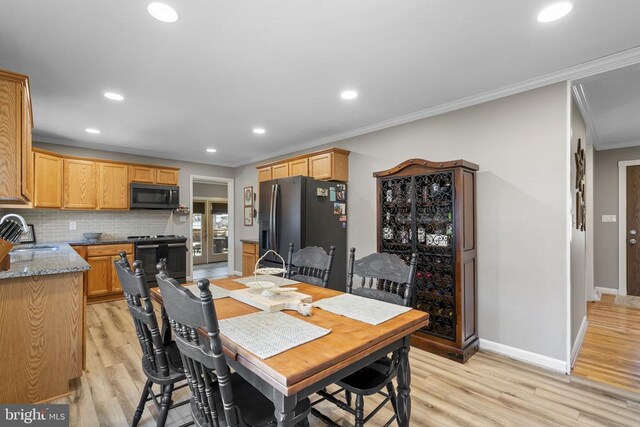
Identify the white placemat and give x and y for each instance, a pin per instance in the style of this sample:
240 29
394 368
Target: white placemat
216 291
267 334
366 310
277 280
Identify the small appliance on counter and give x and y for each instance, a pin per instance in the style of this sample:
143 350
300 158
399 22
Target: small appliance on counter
151 249
10 232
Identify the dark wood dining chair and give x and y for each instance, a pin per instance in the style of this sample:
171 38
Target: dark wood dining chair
384 277
161 362
310 265
218 397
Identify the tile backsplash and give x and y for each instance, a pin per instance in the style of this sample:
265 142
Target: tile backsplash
53 225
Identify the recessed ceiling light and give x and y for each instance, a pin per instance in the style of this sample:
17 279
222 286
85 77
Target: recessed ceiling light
113 96
92 130
349 94
259 130
211 150
555 11
162 12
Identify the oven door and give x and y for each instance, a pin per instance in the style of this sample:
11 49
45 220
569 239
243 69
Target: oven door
148 196
149 254
177 261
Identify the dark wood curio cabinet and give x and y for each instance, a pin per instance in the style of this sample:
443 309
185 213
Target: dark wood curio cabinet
429 208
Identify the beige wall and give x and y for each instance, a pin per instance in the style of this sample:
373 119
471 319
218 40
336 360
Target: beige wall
578 238
606 203
201 189
521 145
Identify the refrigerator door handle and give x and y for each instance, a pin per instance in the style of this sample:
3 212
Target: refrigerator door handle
271 214
275 218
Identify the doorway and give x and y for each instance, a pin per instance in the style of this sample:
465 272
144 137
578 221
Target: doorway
629 228
210 230
211 235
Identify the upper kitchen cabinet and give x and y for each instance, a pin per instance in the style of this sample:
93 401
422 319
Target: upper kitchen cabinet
48 181
79 180
16 122
151 175
327 165
167 176
144 174
264 174
299 167
331 166
113 186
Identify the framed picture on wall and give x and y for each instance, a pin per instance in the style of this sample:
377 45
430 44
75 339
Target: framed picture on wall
248 196
248 215
29 237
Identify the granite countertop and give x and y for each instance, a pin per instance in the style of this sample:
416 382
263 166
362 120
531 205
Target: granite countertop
100 242
249 241
43 259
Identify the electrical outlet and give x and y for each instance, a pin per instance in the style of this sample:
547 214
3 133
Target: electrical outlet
609 218
72 225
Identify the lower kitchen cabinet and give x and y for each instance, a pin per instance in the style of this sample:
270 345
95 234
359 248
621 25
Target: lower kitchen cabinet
101 280
249 257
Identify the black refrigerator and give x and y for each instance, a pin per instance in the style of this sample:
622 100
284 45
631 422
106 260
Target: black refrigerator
305 212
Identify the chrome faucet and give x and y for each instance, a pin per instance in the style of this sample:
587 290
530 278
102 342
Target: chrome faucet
24 223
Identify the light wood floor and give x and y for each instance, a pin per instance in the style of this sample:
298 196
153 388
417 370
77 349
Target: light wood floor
611 349
488 390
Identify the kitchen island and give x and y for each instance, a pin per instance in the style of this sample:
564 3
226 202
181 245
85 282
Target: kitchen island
42 323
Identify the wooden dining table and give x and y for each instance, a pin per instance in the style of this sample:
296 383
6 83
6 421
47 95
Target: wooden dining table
299 372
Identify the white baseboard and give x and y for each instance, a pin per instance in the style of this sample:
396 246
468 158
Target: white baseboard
525 356
237 273
579 339
610 291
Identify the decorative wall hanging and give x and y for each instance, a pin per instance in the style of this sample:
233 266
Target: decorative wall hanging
581 205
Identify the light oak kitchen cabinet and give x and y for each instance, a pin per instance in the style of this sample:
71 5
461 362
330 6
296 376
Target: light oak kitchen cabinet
264 174
331 164
16 122
144 174
166 176
48 181
249 257
113 186
299 167
79 184
151 175
280 171
102 279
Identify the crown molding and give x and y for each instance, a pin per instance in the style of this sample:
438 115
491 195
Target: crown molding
625 144
583 105
600 65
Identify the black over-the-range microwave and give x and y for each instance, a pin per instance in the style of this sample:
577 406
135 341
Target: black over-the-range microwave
150 196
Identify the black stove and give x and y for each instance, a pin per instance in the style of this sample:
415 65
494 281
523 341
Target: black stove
158 238
151 249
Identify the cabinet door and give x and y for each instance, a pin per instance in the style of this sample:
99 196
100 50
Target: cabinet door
48 181
10 141
280 171
79 184
113 188
27 157
299 167
99 277
142 174
264 174
248 263
167 176
321 166
115 281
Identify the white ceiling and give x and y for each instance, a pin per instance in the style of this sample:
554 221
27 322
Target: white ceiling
613 107
227 66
